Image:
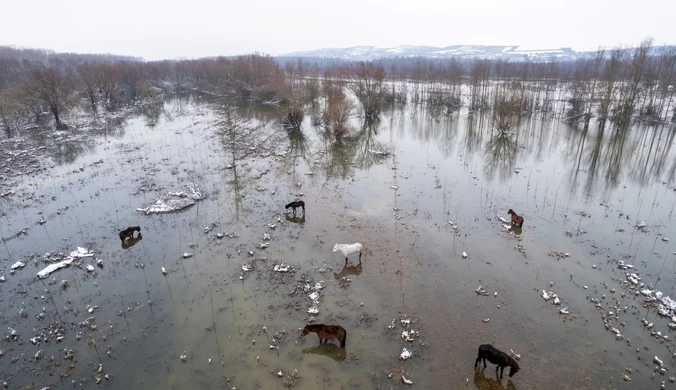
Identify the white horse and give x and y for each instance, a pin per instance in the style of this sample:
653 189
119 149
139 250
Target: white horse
349 249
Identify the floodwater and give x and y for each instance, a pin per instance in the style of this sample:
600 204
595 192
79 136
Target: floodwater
416 190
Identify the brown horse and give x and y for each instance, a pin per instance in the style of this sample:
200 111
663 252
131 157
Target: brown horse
516 219
129 232
327 332
495 356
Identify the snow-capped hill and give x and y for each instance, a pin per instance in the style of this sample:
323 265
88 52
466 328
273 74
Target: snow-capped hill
362 53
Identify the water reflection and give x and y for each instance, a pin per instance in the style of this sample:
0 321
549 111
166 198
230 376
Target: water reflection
126 244
367 149
298 148
484 383
348 270
66 151
500 156
295 219
332 351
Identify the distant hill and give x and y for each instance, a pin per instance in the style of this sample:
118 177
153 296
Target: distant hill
513 53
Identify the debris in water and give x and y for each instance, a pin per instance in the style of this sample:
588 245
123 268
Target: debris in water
263 245
502 219
406 381
481 291
464 255
641 225
379 152
394 187
164 271
516 355
410 335
99 262
272 225
77 253
405 354
665 239
282 268
184 357
18 265
174 201
626 378
247 267
280 374
486 320
313 310
220 235
187 255
564 310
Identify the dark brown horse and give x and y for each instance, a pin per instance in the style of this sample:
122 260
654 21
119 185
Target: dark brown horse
516 219
129 232
327 332
495 356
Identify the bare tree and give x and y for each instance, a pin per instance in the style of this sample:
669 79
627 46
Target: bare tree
48 86
365 80
631 89
87 74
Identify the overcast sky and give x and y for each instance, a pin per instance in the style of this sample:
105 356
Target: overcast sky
155 29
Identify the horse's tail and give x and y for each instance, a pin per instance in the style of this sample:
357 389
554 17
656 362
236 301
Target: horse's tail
342 343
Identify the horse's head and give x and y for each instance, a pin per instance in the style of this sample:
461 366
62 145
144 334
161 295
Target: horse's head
335 248
305 331
510 211
514 369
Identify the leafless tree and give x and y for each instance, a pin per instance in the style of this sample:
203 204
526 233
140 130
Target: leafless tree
365 80
50 87
630 90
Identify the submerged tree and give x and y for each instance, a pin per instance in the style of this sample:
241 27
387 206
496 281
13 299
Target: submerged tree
50 87
365 80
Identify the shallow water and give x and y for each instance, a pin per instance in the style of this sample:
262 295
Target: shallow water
574 189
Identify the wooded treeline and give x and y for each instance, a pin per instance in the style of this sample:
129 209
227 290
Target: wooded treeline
616 87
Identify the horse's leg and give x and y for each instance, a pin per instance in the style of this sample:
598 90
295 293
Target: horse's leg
476 362
484 362
501 371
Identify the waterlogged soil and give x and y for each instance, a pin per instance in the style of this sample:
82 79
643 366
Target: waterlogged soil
196 299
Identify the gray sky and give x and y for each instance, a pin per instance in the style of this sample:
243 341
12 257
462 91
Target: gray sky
156 29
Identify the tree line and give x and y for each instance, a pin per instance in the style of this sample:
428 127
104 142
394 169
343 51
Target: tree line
616 86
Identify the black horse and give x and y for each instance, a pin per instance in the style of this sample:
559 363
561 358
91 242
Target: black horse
295 205
129 232
495 356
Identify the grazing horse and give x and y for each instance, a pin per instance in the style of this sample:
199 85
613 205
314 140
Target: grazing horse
327 332
349 249
129 232
495 356
295 205
516 219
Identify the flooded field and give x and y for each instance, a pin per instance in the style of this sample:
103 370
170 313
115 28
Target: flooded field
215 295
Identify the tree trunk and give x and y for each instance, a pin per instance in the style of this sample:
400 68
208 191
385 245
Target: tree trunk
59 125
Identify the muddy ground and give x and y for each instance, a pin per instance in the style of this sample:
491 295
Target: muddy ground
416 190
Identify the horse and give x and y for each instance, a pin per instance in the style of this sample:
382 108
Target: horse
495 356
347 249
516 219
129 232
327 332
295 205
